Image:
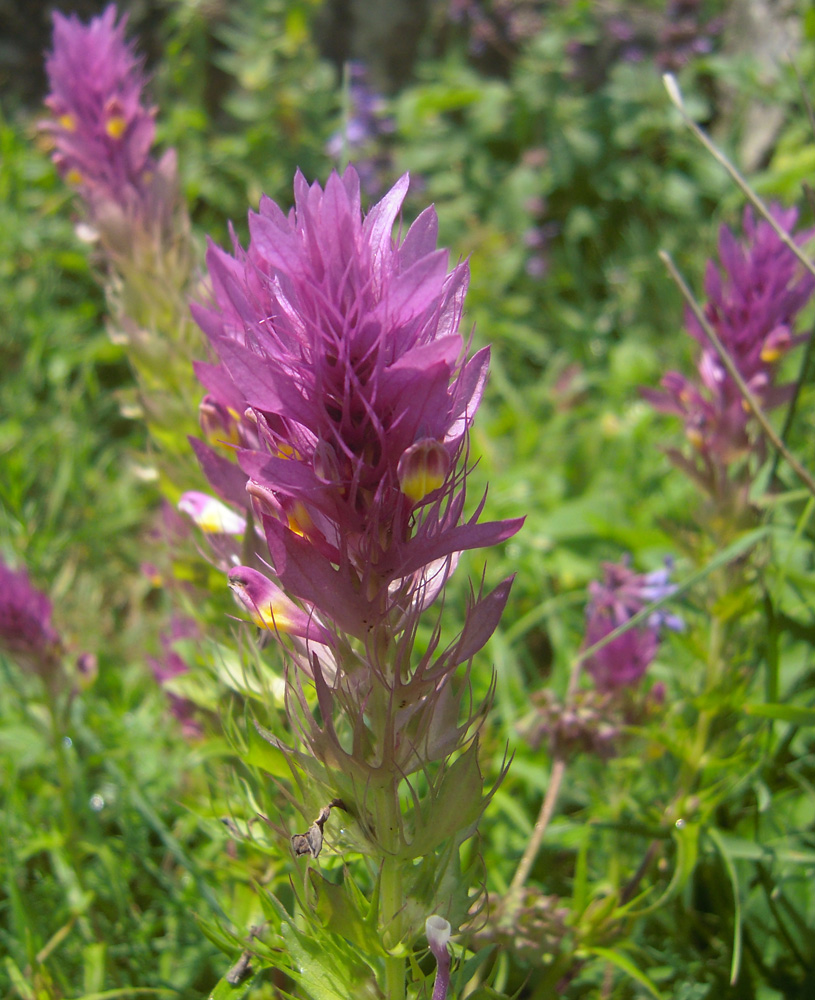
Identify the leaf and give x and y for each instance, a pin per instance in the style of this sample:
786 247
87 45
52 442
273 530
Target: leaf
730 868
224 990
624 963
687 851
262 753
340 914
455 805
798 715
17 979
327 969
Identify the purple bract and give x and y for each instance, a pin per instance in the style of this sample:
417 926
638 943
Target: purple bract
26 631
340 344
102 131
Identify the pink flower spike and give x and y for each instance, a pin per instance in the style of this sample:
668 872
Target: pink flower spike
341 342
756 291
26 632
102 130
622 594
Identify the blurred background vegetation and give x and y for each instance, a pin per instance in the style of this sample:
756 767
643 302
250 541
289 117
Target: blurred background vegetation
543 134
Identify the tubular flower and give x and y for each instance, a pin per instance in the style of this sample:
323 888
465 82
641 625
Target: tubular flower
269 607
342 344
101 129
210 514
26 632
438 930
754 296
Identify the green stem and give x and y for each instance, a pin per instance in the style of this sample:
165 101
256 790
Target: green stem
57 726
389 826
390 909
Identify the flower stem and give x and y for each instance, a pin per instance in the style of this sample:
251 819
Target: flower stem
544 818
552 792
390 900
391 904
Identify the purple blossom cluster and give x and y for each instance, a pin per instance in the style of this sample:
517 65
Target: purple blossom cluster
341 347
593 720
672 38
615 600
685 35
171 665
755 293
497 27
27 634
102 131
361 137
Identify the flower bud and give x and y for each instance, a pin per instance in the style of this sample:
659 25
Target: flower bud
422 468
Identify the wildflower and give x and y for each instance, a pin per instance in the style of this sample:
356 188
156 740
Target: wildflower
27 634
437 930
622 594
531 926
339 345
366 126
343 344
172 665
270 608
754 296
586 724
211 515
101 129
684 35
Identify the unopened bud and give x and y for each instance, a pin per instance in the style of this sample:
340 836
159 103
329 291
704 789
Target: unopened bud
423 468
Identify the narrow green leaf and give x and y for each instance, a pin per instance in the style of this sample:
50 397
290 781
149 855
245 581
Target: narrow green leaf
580 893
730 868
17 979
796 714
624 963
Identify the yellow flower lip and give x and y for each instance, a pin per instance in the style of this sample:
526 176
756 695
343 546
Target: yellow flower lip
116 126
211 516
423 468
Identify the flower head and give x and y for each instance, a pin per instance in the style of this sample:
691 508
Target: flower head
754 296
26 632
366 125
172 665
342 345
614 601
102 131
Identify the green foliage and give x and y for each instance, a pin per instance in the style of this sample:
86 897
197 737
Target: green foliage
681 867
